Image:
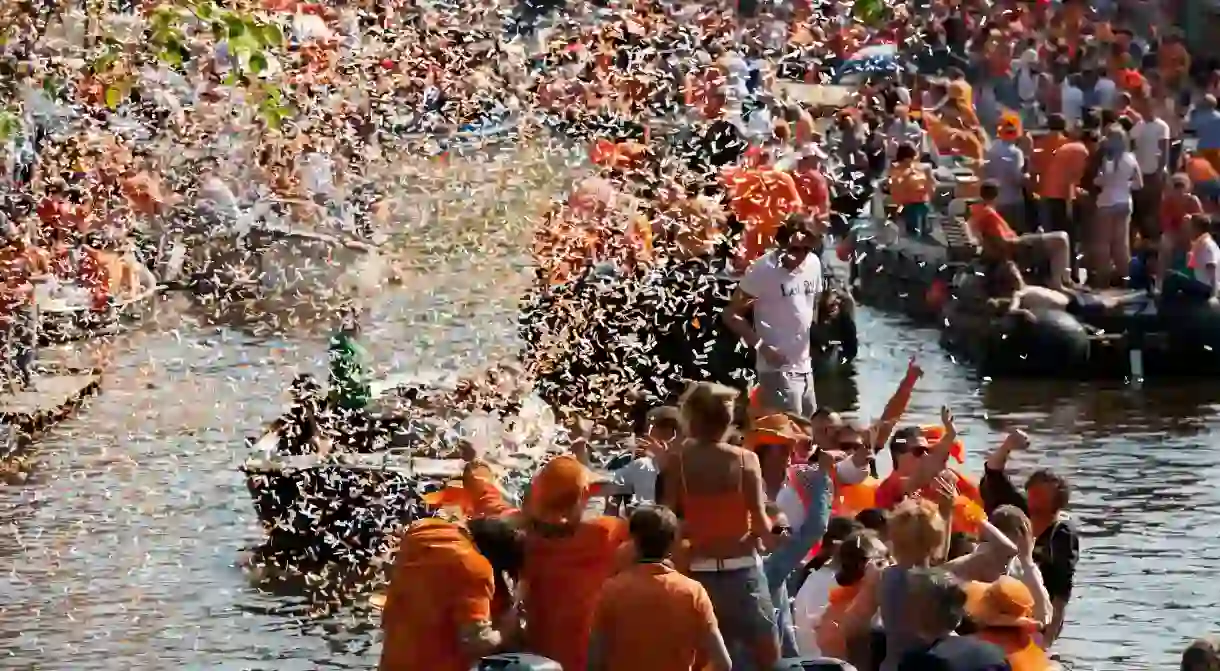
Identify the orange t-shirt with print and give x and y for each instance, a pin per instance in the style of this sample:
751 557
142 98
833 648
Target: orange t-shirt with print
652 618
562 577
439 584
1064 171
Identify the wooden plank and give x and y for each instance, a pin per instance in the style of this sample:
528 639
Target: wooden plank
47 394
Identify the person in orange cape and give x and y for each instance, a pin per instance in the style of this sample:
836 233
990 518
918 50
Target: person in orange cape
567 560
762 197
439 612
955 128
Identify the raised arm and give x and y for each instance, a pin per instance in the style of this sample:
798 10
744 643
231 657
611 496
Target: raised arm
780 563
896 406
995 487
933 463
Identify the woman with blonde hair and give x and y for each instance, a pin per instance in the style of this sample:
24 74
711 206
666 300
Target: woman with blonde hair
919 532
717 491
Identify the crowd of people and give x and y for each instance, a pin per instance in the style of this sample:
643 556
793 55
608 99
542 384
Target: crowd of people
747 532
750 528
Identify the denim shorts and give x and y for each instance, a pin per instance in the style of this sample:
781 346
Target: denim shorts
742 603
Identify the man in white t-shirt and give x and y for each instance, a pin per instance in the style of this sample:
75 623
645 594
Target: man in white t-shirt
782 287
1150 138
1204 254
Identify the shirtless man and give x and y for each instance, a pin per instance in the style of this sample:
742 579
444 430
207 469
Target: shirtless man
1018 298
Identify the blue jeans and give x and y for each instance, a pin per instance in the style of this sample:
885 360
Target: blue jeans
787 392
744 611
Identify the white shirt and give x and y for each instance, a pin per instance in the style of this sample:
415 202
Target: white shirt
1107 92
1147 137
639 478
1116 180
1072 102
808 607
784 308
1206 252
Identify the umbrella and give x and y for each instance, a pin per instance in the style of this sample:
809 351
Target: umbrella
871 61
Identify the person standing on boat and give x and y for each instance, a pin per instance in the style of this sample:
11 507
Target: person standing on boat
782 289
350 387
21 266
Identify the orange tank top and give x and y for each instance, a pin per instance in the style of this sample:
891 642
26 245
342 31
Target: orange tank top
710 520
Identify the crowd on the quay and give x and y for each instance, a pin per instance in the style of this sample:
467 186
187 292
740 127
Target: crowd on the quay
752 530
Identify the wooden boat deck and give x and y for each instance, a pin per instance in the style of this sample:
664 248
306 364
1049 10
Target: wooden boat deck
29 413
47 394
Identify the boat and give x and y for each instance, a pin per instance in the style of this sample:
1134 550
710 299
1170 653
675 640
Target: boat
264 258
68 312
347 507
1114 333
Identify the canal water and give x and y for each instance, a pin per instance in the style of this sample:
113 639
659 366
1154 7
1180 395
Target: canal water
124 548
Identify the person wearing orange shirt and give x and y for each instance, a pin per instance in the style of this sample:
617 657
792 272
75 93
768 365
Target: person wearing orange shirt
652 618
811 185
1003 611
438 611
1000 242
718 491
567 561
911 184
1042 153
1058 184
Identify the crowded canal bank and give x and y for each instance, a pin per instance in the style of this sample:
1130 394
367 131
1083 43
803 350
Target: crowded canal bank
124 548
131 536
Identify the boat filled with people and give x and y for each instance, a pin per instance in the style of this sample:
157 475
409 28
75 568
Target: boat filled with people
337 477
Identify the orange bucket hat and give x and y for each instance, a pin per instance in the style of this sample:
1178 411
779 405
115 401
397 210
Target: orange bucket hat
1009 127
1007 602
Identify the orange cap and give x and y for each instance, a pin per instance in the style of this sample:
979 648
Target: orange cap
562 486
934 432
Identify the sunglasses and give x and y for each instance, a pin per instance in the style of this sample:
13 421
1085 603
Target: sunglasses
851 445
781 530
